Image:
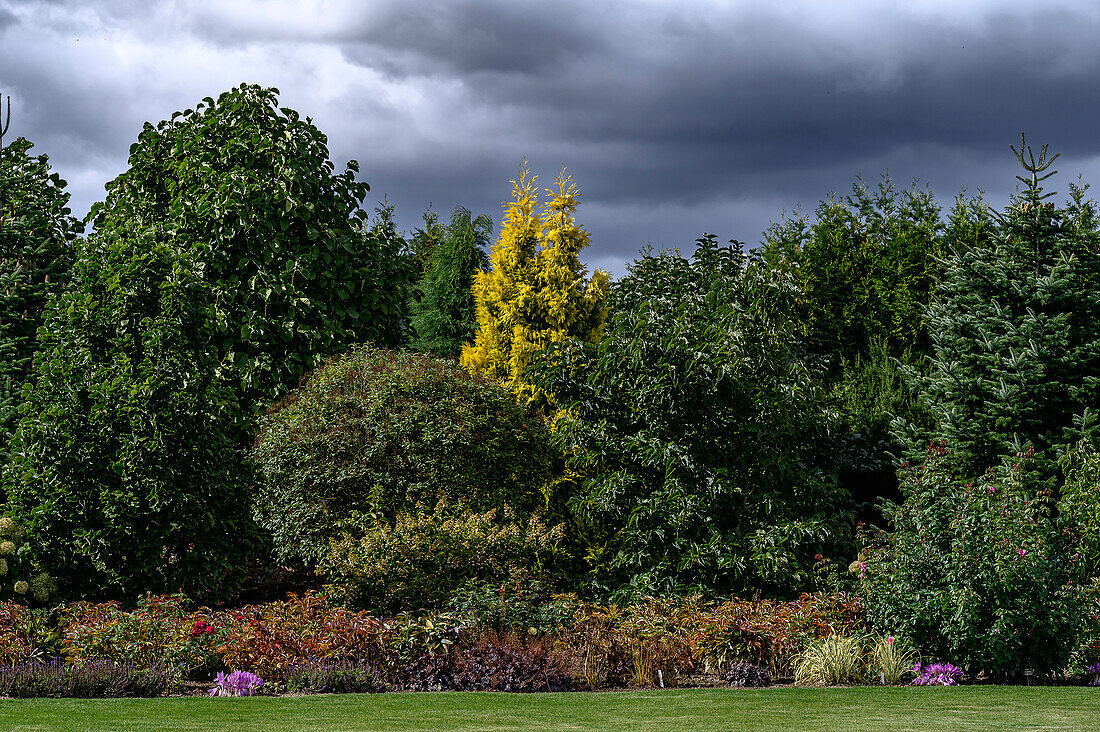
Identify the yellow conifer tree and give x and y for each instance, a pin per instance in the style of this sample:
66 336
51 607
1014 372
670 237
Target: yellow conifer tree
537 291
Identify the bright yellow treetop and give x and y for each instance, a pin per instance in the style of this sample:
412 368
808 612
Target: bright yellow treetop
537 291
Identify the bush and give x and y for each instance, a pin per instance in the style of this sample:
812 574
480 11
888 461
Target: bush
423 558
124 468
771 633
694 428
15 645
746 675
520 603
20 579
510 662
375 433
91 680
492 662
980 572
272 639
836 659
339 677
159 631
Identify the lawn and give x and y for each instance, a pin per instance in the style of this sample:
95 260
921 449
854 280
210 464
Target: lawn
831 710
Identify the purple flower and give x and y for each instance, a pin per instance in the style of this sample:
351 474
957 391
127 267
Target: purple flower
238 683
937 674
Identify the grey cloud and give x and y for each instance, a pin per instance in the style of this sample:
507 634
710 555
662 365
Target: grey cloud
673 120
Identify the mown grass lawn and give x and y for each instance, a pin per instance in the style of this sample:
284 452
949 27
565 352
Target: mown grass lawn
830 710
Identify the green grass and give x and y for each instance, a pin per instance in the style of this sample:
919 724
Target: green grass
832 710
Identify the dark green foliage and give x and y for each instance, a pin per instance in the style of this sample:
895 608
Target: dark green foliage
1015 328
247 190
1080 501
388 290
980 573
444 316
376 433
865 268
124 467
695 427
36 235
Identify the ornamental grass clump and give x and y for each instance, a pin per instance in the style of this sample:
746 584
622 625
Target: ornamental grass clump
891 660
237 683
836 659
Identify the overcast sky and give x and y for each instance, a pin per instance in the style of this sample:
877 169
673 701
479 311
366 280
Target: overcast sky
675 118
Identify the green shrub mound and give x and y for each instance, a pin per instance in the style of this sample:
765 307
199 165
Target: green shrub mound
378 434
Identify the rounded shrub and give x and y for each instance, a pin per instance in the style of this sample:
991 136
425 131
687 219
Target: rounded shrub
983 573
378 433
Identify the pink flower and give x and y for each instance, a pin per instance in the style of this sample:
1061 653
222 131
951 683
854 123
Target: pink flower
890 641
1022 552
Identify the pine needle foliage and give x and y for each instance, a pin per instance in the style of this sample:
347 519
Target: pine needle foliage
537 292
444 316
1015 326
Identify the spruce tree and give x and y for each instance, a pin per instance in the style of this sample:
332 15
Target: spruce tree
443 317
1016 332
537 292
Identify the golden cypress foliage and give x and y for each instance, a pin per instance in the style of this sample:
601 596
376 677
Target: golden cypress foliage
537 291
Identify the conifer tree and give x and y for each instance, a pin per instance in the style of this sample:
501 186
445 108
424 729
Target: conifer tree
443 317
537 292
1016 332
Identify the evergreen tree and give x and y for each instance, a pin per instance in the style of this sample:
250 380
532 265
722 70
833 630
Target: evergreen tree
865 265
425 238
36 238
387 295
1015 327
537 292
443 317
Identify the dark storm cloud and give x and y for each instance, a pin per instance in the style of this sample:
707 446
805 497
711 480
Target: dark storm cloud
673 118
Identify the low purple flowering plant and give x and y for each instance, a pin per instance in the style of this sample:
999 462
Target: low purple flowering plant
237 683
936 674
1094 669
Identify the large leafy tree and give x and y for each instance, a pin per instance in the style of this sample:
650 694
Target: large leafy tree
36 242
537 292
124 467
1015 328
443 317
694 426
246 188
